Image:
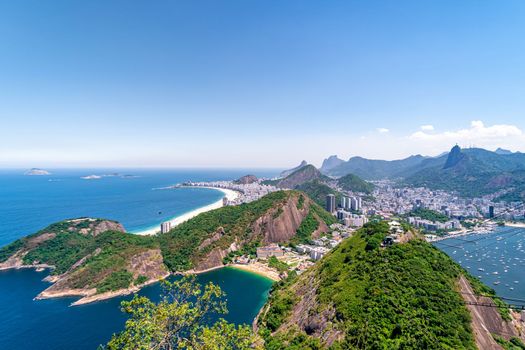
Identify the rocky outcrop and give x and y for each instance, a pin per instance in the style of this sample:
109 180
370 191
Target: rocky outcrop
486 321
331 163
213 259
148 263
304 174
280 224
246 180
286 173
96 227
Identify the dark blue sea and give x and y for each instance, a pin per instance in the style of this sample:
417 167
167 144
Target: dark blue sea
133 197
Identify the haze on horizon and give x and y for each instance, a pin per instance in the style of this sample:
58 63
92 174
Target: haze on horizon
256 84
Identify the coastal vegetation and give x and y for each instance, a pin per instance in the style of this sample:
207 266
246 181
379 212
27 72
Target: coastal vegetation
180 246
94 256
364 296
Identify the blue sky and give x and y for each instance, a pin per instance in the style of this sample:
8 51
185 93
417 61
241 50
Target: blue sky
256 83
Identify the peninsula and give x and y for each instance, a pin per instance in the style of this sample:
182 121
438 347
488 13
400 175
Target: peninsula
96 259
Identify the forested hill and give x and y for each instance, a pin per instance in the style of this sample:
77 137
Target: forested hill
362 296
95 258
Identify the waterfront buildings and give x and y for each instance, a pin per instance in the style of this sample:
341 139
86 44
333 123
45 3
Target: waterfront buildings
269 250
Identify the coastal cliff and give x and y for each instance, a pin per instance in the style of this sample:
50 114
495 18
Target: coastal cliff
202 243
91 258
96 259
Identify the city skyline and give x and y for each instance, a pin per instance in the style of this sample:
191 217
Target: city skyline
227 84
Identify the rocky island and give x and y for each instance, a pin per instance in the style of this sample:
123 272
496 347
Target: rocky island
37 172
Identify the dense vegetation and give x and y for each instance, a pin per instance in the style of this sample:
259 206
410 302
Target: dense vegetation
354 183
401 297
428 214
475 172
93 258
92 261
180 245
318 191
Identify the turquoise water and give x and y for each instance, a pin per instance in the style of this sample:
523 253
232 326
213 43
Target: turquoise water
30 203
497 259
53 324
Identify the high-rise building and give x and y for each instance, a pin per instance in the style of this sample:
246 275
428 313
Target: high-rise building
343 202
491 211
355 203
347 203
330 203
165 227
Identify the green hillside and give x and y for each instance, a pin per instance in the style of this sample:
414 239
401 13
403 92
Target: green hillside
93 254
354 183
475 172
364 297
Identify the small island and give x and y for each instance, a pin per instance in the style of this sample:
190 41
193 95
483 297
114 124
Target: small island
37 172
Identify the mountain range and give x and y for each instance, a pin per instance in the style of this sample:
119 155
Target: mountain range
471 171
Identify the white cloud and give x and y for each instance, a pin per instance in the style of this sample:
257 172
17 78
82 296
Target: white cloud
477 135
427 127
382 130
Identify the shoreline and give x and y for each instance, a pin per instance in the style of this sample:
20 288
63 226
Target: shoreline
255 268
465 232
177 220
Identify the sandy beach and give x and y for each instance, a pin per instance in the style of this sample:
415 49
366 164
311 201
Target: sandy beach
515 224
230 194
260 269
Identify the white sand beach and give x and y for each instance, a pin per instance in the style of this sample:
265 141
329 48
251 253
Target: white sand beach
230 194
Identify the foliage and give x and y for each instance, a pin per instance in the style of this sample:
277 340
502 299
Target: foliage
300 202
117 280
180 321
354 183
318 191
141 279
10 249
180 245
305 230
275 263
401 297
428 214
513 343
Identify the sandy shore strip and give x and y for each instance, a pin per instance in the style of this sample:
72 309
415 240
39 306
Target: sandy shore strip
260 269
256 267
230 194
515 224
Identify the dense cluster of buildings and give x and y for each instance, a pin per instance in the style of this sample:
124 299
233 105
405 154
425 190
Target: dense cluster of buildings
348 203
392 200
247 192
434 226
347 210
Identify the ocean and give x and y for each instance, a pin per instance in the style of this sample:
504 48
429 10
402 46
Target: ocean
133 197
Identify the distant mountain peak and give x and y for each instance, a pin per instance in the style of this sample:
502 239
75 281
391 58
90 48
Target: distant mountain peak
454 157
285 173
502 151
330 163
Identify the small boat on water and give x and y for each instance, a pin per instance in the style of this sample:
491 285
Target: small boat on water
496 283
481 269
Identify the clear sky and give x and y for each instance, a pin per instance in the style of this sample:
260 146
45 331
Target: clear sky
250 83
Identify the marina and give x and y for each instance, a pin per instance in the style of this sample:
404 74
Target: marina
497 258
